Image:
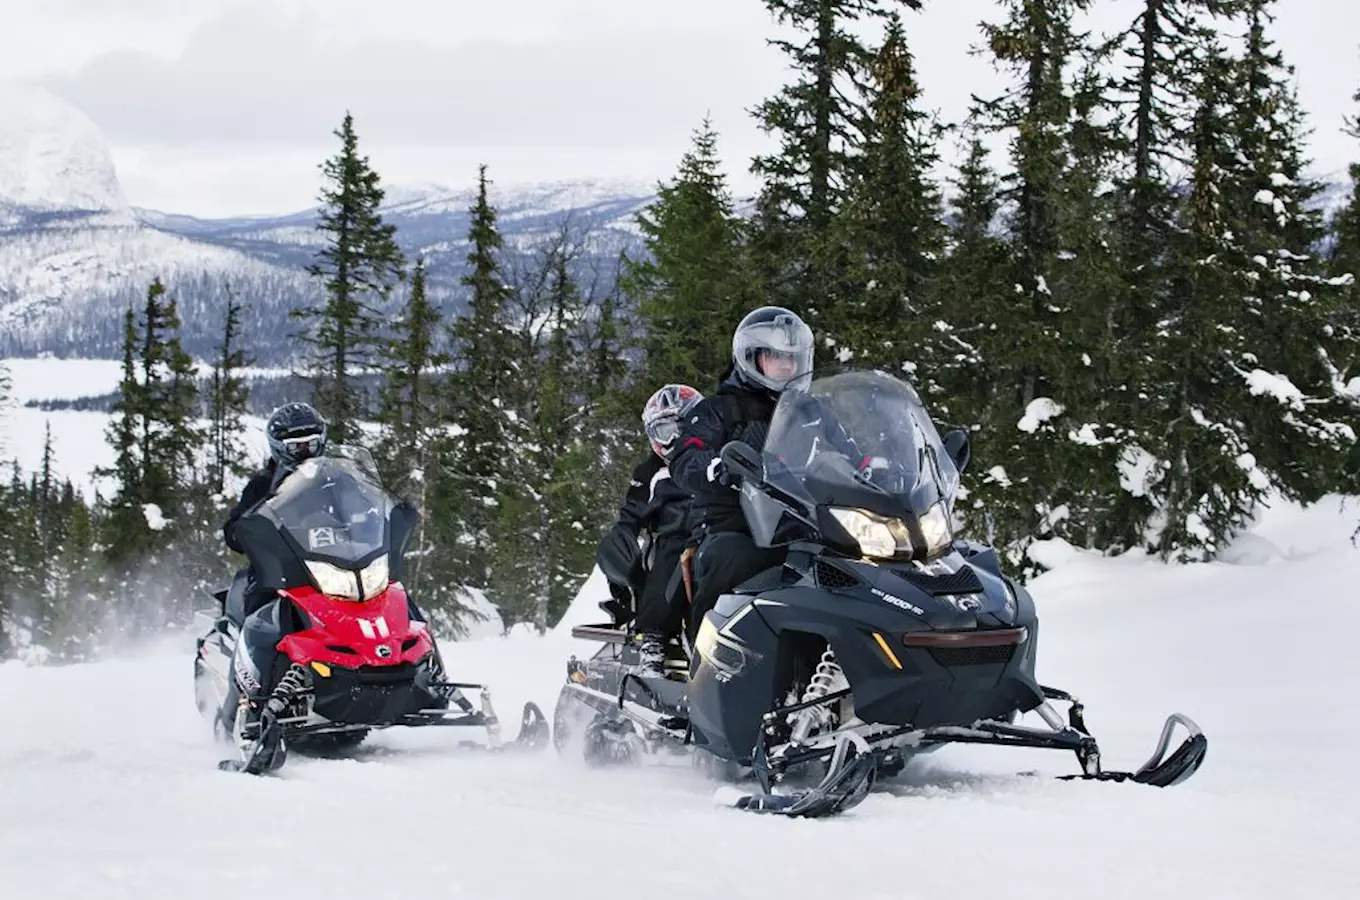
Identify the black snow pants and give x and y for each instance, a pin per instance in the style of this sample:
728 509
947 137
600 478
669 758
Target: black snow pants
724 560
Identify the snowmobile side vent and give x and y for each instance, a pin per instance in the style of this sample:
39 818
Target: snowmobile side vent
337 648
408 644
832 577
964 581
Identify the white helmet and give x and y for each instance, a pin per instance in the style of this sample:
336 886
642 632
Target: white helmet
772 331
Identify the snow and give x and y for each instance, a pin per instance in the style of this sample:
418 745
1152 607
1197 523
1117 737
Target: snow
1039 410
1259 381
1136 468
52 156
155 519
110 787
78 437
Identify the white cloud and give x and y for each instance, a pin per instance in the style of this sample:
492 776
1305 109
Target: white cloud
217 106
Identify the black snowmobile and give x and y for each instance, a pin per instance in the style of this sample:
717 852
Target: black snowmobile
881 636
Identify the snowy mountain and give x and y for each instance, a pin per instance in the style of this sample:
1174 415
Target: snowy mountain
74 254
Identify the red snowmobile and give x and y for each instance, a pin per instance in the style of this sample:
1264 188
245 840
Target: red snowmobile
339 649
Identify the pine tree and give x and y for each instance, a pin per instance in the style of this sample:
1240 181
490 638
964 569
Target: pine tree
5 389
359 265
479 399
411 414
1044 343
228 400
695 281
894 231
1199 488
125 533
818 120
971 283
1344 252
1343 261
1290 306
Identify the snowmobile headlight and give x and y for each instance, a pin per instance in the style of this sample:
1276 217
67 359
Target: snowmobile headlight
333 581
373 577
937 530
877 536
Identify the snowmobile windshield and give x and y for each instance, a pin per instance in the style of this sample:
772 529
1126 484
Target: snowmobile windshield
856 460
333 507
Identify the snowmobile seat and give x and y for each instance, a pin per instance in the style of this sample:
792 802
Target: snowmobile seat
236 598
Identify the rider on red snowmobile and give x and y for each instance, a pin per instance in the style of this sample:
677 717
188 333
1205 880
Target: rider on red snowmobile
295 432
640 555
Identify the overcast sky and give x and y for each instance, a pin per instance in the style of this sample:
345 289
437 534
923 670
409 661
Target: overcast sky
221 106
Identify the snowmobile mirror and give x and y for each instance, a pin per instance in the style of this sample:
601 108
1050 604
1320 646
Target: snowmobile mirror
742 459
960 449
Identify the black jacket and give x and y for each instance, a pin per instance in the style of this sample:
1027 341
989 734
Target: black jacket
257 489
735 413
654 507
732 413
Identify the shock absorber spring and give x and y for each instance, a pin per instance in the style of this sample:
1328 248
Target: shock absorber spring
294 681
824 678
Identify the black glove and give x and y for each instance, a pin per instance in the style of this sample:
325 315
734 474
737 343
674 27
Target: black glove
719 474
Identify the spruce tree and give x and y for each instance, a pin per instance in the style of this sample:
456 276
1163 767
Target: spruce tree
1041 352
5 389
125 533
479 397
818 121
1344 253
1200 490
695 280
1290 308
358 266
228 401
971 283
894 231
411 415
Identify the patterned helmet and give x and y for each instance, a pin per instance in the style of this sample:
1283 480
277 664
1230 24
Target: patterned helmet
295 432
661 416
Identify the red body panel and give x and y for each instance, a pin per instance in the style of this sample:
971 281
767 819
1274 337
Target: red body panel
370 629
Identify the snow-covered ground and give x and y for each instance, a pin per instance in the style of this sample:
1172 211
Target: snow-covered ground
78 437
108 787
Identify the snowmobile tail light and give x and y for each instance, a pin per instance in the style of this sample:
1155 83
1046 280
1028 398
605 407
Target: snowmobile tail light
374 577
877 536
333 581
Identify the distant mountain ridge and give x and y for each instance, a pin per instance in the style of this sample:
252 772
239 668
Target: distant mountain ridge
74 253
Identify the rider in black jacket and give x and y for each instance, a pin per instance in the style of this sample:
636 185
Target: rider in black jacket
295 432
640 555
771 353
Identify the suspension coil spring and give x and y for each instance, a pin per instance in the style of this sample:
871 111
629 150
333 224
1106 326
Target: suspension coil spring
294 681
819 685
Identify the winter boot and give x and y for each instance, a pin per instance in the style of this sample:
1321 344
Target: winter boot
651 655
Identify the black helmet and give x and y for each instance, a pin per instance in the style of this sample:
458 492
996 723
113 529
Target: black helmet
773 332
295 432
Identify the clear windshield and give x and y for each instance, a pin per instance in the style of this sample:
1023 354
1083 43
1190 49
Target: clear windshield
858 440
333 506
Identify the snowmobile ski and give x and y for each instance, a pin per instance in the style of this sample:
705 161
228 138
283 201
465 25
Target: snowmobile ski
849 778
